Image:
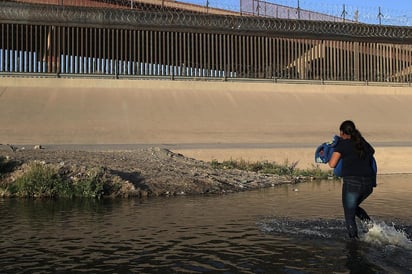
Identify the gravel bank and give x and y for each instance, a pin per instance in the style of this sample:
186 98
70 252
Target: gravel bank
146 172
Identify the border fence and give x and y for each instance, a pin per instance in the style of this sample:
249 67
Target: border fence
162 41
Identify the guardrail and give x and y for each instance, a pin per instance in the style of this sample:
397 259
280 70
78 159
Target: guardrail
207 79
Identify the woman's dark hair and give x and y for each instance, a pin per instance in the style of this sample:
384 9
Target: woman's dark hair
348 127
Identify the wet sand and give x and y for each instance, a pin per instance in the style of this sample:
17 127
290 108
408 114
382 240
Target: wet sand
207 120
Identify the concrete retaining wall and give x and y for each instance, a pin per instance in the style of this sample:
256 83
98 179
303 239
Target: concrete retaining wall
91 111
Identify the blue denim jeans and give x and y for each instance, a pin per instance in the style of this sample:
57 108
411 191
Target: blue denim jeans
354 191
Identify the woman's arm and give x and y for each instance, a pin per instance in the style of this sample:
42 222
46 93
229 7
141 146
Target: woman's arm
334 159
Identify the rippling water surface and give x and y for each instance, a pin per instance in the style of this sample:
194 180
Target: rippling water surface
285 229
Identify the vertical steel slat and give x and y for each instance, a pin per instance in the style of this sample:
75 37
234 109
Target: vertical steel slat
402 63
52 49
382 61
3 38
286 48
39 45
77 51
145 51
265 58
367 62
322 60
340 61
233 56
329 60
278 64
176 53
240 53
257 54
139 52
397 60
197 53
149 60
243 57
71 40
296 59
209 69
330 57
13 49
360 61
218 51
281 57
390 62
348 60
57 49
185 53
342 53
7 49
248 57
168 48
104 47
292 65
193 50
212 54
179 53
290 56
155 51
64 54
334 64
86 51
202 47
81 50
127 51
134 54
19 48
109 53
163 59
27 51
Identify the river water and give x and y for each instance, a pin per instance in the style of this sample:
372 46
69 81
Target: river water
284 229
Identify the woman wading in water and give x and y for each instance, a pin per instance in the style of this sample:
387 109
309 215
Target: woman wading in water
359 177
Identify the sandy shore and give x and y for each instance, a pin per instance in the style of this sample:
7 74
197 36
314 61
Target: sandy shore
207 120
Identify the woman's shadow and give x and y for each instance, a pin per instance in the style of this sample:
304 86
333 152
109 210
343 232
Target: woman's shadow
356 261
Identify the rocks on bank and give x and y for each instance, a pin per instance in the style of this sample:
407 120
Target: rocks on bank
145 172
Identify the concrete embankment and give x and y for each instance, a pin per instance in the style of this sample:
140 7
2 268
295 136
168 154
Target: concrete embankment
207 120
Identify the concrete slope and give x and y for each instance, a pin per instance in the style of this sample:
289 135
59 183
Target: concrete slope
91 111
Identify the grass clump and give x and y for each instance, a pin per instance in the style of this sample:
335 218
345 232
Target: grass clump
285 169
38 180
92 185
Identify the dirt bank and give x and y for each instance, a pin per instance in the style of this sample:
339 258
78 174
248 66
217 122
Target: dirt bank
147 172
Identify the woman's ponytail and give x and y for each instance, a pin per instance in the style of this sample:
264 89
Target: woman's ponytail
348 127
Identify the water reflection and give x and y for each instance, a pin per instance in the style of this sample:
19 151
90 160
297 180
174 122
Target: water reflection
287 229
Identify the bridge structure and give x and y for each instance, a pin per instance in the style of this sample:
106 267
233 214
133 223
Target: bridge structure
161 38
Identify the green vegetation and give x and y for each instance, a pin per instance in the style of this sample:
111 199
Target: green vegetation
285 169
46 181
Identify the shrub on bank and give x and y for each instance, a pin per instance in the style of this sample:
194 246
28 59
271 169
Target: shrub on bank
40 180
285 169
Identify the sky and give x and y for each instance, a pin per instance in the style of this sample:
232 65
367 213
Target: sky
395 12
